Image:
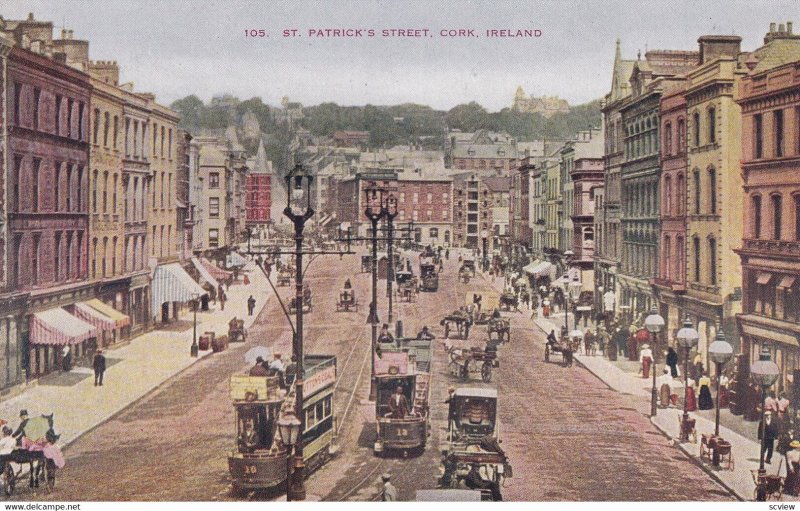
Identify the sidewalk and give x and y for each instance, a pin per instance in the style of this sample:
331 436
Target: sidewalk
133 369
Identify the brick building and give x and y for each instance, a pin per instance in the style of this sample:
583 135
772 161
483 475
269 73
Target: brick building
258 193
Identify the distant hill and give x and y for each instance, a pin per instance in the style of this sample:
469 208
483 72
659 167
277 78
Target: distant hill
407 123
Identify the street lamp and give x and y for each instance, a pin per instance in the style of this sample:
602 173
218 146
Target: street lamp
299 211
720 352
289 431
485 247
374 212
574 289
765 373
194 350
391 213
654 324
687 339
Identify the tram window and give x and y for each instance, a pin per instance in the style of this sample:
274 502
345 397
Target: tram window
320 411
311 419
328 406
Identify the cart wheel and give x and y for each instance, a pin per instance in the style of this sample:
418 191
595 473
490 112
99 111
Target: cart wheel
486 372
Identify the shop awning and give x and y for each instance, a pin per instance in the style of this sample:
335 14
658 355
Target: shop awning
94 317
787 282
205 275
543 269
763 278
172 284
119 318
59 327
234 259
770 335
217 273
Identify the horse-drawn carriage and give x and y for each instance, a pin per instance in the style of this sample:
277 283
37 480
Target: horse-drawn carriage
563 348
467 361
366 264
509 301
305 303
459 319
284 276
347 301
473 442
429 279
408 290
500 328
236 330
38 452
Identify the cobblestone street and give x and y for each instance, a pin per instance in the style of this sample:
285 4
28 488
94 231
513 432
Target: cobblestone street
561 427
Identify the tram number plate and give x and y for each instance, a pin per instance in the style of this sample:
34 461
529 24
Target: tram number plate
402 432
250 469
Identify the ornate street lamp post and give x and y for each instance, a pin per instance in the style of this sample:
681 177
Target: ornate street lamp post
194 350
374 212
720 352
289 431
687 339
765 373
299 211
654 324
391 213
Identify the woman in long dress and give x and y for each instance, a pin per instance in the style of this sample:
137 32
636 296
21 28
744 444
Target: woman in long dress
705 401
691 400
791 484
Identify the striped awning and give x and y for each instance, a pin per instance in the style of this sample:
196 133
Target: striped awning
217 273
120 319
94 317
59 327
234 259
172 284
204 273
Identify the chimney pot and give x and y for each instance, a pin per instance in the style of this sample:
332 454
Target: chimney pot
30 16
781 28
789 27
772 27
63 33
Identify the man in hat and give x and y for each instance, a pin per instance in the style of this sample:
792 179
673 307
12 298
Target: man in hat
277 367
251 305
389 493
20 432
385 335
99 365
398 404
475 481
258 369
768 430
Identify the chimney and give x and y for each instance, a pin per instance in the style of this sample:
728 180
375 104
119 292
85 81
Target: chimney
789 27
715 46
772 27
30 16
63 33
781 28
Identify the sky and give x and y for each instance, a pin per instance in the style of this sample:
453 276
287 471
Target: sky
175 48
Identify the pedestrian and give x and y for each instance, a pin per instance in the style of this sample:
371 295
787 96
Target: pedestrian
768 431
66 360
447 254
99 365
704 400
222 299
698 366
646 359
664 383
590 347
770 403
389 493
672 361
783 405
251 305
791 484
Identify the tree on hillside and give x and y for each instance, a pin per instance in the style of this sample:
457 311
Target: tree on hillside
190 108
469 117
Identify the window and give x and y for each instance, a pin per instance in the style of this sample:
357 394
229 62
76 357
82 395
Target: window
113 256
430 198
213 207
37 94
778 119
94 258
81 108
415 198
712 260
37 242
135 139
105 192
80 189
758 130
696 243
116 130
668 195
16 180
106 122
162 189
127 137
78 251
756 205
162 141
429 215
69 117
712 125
681 135
58 115
797 218
696 192
444 198
213 181
105 256
95 184
696 119
667 257
434 232
37 166
667 139
213 238
169 144
57 257
17 102
114 202
776 216
161 242
155 138
68 194
712 190
57 186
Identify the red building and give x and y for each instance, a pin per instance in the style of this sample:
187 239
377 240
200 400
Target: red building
770 251
670 283
48 209
258 198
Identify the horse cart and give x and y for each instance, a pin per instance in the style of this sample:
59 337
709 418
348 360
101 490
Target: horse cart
464 275
347 301
509 302
408 290
305 303
499 329
366 264
237 331
41 456
459 320
284 277
429 279
563 349
468 361
472 456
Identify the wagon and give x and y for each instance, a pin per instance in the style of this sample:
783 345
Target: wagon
366 264
347 301
551 349
509 302
306 304
284 277
467 361
458 319
236 330
501 328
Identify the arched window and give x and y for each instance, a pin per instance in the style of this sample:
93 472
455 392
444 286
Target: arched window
680 193
712 125
755 201
667 252
777 216
696 192
712 190
712 261
696 246
668 195
681 253
681 135
106 125
797 216
667 139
